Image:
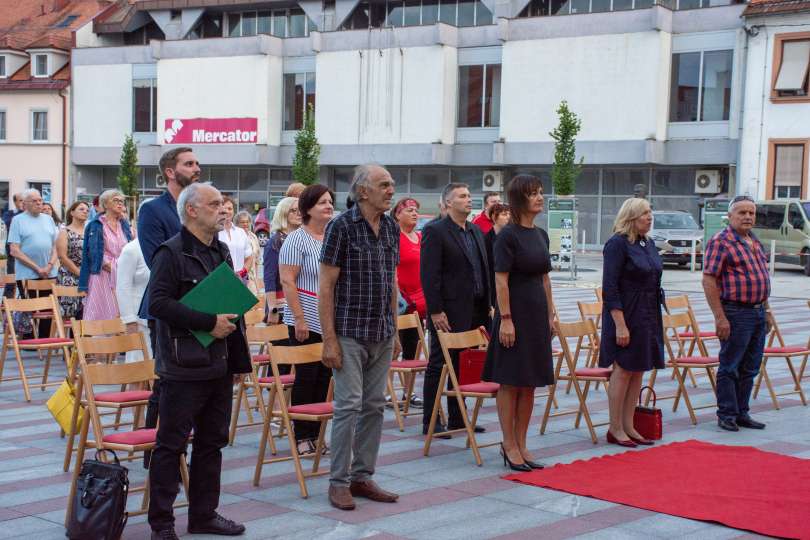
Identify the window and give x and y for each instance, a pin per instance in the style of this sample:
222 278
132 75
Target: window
67 21
2 125
40 65
701 86
788 169
2 66
39 126
144 105
299 94
396 13
209 25
281 23
479 96
543 8
44 189
791 60
795 217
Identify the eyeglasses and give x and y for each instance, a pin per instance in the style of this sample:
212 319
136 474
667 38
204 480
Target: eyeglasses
294 211
119 201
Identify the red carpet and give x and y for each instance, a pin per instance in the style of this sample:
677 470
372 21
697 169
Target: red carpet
738 486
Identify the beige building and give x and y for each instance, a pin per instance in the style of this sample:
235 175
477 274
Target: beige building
35 43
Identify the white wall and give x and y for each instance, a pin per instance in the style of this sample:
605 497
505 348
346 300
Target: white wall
762 119
232 87
102 104
388 96
613 83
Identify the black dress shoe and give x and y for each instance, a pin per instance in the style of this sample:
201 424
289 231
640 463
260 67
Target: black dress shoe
165 534
216 525
439 432
728 424
748 422
476 429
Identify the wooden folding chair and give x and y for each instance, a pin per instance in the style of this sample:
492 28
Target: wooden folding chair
407 370
310 412
47 344
682 364
258 381
472 339
116 401
789 353
584 332
590 311
64 291
598 292
42 287
141 374
9 280
692 336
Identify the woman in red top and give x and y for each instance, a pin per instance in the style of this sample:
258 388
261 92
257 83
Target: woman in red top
406 213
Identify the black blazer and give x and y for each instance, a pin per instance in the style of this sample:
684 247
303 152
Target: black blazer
447 274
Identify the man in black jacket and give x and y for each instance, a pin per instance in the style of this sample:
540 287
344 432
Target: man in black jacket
196 382
454 272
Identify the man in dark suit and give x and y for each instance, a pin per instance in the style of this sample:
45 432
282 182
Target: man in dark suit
454 272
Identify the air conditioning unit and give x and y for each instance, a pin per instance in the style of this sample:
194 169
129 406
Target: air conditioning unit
707 181
492 181
160 181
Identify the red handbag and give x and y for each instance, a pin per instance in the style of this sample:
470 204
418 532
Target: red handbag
648 421
471 365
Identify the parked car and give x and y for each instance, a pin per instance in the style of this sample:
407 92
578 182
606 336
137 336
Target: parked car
673 233
786 223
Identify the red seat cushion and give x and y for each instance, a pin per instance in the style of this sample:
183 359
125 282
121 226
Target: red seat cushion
261 358
409 364
593 372
480 387
139 436
124 397
285 379
698 360
45 341
785 350
706 334
312 408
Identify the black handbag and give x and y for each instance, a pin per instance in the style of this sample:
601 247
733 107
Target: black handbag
99 505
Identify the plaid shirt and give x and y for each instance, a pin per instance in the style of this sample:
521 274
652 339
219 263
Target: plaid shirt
368 266
741 272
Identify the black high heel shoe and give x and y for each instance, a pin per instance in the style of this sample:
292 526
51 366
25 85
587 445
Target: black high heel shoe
534 464
520 467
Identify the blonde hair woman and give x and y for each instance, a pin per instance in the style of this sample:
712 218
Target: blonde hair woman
286 219
632 334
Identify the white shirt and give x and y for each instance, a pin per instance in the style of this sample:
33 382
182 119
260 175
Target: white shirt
130 284
238 244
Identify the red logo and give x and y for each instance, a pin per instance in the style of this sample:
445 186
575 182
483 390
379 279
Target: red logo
210 131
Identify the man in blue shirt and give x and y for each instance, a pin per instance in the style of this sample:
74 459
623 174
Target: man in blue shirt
8 215
32 242
157 222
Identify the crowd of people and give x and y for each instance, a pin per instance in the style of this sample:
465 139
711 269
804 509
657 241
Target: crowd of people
341 282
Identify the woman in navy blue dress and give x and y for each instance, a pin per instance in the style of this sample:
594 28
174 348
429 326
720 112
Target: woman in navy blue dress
632 330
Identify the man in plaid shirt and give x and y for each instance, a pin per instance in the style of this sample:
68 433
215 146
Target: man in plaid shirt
737 286
358 303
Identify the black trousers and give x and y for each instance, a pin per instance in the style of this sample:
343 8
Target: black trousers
151 418
8 291
311 386
409 340
205 407
434 370
44 325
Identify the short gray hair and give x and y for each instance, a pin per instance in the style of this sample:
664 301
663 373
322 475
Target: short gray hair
240 215
107 195
361 178
189 196
29 193
450 188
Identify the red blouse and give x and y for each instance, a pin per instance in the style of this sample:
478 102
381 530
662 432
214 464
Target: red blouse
408 272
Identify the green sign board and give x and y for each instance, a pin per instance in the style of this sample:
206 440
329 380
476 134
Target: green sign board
562 227
715 217
562 204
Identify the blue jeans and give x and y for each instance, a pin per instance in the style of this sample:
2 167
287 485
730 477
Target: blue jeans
740 358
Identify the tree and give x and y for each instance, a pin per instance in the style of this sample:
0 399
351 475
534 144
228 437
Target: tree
129 173
305 167
566 169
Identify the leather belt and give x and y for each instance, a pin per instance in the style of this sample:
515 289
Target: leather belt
742 304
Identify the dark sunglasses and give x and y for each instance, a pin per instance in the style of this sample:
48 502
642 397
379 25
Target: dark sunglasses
741 198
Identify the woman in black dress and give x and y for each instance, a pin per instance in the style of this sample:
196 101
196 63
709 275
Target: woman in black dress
519 356
632 329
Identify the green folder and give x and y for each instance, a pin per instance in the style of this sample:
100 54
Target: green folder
220 292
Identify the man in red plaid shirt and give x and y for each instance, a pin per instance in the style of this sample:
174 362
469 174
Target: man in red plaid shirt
737 286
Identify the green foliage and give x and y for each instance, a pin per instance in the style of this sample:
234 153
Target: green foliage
566 168
305 167
129 173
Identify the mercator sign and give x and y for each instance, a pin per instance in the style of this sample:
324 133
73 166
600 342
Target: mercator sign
210 131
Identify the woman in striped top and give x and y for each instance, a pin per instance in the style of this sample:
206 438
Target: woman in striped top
299 269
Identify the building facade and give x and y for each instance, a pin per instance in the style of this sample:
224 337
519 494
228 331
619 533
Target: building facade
437 91
35 42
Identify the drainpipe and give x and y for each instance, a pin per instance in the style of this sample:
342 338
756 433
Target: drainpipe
64 149
741 117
